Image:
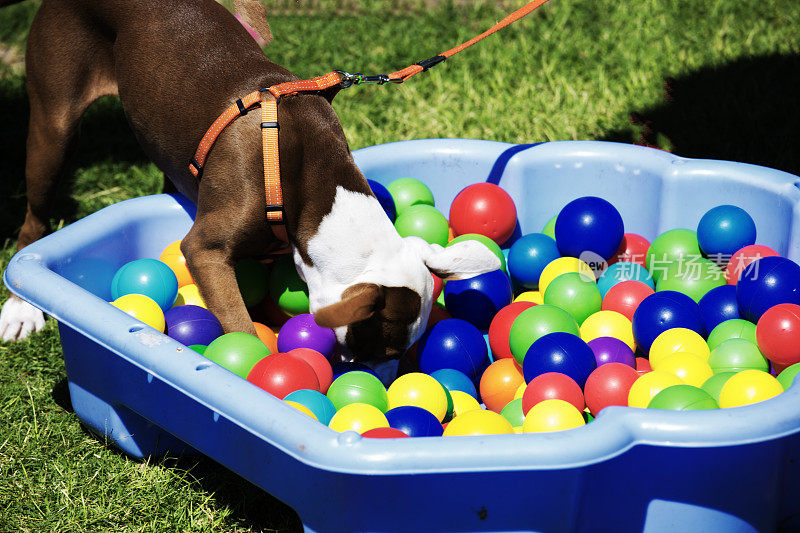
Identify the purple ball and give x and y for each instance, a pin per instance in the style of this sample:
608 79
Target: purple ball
611 350
302 332
192 324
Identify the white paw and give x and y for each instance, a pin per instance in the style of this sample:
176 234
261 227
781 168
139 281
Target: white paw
19 319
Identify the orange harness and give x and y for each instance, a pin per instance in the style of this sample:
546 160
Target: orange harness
269 97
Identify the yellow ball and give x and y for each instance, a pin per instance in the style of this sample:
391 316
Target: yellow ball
677 340
358 417
552 415
420 390
302 408
142 308
563 265
520 391
189 295
463 402
517 429
692 370
536 297
478 422
608 324
650 384
748 386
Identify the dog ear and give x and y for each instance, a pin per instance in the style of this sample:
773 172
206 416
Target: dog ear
359 302
462 260
253 16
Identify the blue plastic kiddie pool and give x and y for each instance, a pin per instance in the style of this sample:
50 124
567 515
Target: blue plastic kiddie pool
629 470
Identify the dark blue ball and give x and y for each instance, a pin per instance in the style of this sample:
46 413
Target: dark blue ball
718 305
341 368
559 352
414 421
589 224
767 282
662 311
452 380
528 257
725 229
192 324
385 199
453 343
478 299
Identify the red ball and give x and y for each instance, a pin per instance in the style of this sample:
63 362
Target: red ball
438 285
625 297
778 334
438 313
500 328
318 362
552 385
608 385
643 366
280 374
384 433
633 248
743 257
485 209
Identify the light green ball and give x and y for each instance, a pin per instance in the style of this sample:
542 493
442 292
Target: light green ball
423 221
735 355
536 322
693 277
576 294
407 192
288 289
735 328
789 376
486 241
669 247
549 229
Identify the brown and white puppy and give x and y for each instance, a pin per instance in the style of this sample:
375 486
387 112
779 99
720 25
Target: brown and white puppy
176 65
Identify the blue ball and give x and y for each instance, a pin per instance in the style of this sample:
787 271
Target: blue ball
320 405
149 277
624 271
453 343
589 224
528 257
767 282
414 421
559 352
662 311
385 199
342 368
725 229
452 380
718 305
478 299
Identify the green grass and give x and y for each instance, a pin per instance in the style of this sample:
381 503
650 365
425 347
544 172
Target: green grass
584 69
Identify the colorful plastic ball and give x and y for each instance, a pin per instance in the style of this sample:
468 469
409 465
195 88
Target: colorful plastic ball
559 352
563 265
673 246
340 369
633 248
589 224
238 352
486 241
736 328
302 408
714 384
267 336
574 293
608 385
677 340
141 308
778 334
500 328
552 385
174 259
423 221
317 402
499 382
552 415
199 348
692 369
648 385
414 421
192 324
748 386
302 332
317 361
736 355
463 402
549 228
453 380
384 198
743 257
252 277
358 417
281 374
149 277
358 387
420 390
384 433
694 277
450 410
683 398
189 295
534 297
513 413
765 283
287 289
725 229
484 208
407 192
608 324
520 391
453 343
478 422
662 311
643 365
611 350
479 298
625 297
718 305
621 272
788 376
529 256
536 322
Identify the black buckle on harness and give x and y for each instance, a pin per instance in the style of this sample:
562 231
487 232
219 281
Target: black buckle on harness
430 62
193 162
265 125
242 108
274 209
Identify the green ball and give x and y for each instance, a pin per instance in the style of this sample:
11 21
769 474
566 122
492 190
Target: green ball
253 280
587 416
448 416
576 294
358 387
683 398
489 243
407 192
287 289
735 328
199 348
693 277
713 385
735 355
238 352
536 322
670 247
423 221
549 229
513 413
788 376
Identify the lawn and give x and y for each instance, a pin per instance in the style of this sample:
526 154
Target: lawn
703 78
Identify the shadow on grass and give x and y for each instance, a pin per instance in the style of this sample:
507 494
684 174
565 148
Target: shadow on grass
747 110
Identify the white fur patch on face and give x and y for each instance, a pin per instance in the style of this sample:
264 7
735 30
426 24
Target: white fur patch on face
18 319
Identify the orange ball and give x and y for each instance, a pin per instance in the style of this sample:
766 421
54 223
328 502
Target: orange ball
500 382
267 336
173 258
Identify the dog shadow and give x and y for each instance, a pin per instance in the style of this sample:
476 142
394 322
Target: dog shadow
747 110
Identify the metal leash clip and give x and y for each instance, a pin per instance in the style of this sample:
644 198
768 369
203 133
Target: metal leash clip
348 79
